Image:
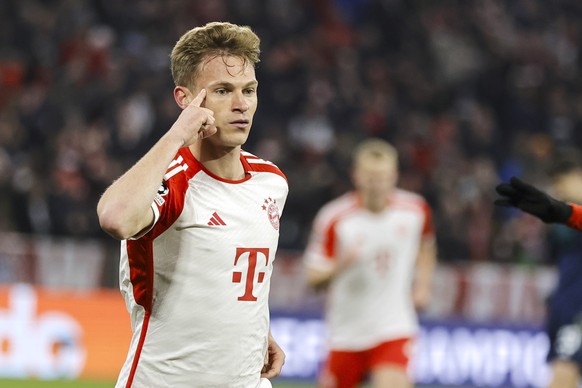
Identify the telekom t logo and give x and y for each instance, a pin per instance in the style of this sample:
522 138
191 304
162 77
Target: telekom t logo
253 254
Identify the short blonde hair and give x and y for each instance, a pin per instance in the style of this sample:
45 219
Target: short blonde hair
374 149
212 39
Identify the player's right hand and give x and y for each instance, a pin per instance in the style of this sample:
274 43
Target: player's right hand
195 122
526 197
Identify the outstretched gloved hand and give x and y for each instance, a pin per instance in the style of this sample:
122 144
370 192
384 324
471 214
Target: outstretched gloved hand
526 197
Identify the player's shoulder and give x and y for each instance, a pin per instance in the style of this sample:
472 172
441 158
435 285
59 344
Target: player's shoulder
259 165
339 207
183 167
406 198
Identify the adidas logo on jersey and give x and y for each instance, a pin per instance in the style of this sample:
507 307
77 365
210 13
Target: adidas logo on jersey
215 220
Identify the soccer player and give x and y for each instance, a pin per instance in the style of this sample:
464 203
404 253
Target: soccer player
564 306
198 220
374 248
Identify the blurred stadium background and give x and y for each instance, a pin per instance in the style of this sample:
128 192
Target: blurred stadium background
470 91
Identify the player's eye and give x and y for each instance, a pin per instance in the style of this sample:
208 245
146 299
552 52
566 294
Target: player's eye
250 91
221 91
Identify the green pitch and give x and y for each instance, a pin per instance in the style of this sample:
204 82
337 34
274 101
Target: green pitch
101 384
55 384
110 384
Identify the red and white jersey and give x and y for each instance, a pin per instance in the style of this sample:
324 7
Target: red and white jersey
370 301
196 284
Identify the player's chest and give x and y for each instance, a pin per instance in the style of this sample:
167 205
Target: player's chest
381 228
240 208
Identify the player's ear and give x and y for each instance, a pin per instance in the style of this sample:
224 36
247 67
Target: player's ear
182 96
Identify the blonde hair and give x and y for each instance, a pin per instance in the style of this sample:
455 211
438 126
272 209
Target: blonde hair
375 150
212 39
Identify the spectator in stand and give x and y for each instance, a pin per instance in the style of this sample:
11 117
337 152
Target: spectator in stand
451 87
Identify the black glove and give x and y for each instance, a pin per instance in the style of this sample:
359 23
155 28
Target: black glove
533 201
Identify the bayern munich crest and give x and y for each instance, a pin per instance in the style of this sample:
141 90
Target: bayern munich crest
270 206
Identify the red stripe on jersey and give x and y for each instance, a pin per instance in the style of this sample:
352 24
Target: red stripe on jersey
349 206
428 228
216 217
140 252
329 246
144 329
177 185
260 166
141 272
418 204
257 165
193 162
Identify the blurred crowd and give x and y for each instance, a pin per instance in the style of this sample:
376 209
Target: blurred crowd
471 92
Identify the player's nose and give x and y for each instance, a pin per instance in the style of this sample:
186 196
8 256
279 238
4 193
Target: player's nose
239 102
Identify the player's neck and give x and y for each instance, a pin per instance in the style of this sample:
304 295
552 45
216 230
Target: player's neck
375 207
374 204
224 163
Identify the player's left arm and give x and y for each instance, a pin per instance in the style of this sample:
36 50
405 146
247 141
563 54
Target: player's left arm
274 359
423 272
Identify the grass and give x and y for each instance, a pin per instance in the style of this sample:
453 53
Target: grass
110 384
103 384
55 384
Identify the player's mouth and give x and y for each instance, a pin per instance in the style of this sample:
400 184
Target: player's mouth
241 124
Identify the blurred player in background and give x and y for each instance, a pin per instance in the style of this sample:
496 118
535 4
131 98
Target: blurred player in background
199 223
564 308
375 250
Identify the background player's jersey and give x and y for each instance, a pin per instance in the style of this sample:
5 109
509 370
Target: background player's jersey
196 283
370 301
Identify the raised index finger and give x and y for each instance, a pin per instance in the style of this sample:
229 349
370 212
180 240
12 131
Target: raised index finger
197 101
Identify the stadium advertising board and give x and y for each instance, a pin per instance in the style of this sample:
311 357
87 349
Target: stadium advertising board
461 354
448 353
51 334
